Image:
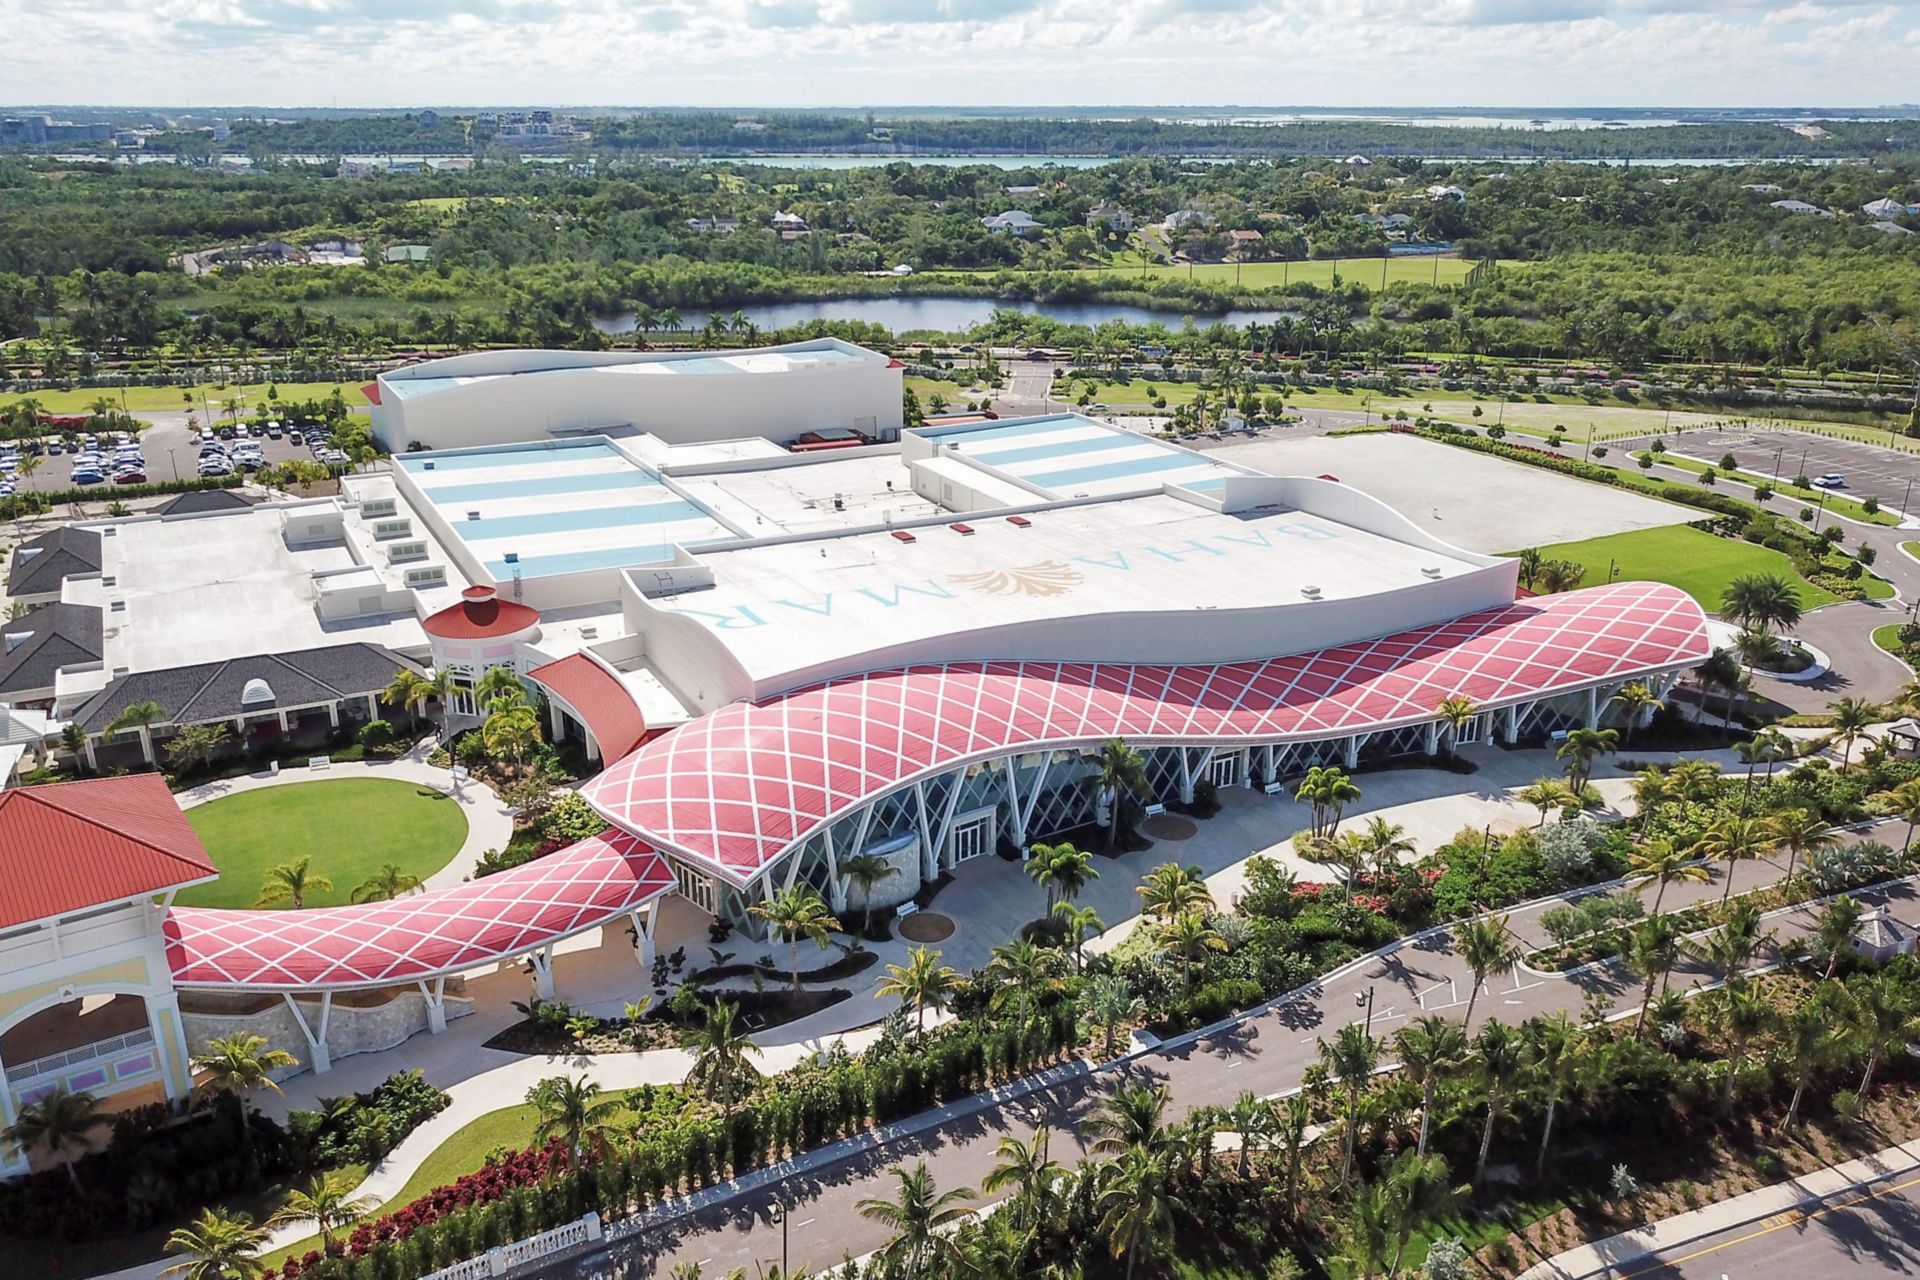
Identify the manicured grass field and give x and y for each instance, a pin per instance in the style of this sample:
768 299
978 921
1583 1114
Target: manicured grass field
1697 562
147 399
350 827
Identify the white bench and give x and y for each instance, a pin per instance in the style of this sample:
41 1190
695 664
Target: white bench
319 762
1155 810
905 909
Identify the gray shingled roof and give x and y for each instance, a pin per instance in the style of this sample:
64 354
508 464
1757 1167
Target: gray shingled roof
209 691
57 635
196 501
40 564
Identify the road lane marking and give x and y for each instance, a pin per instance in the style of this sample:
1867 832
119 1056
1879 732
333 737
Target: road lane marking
1793 1218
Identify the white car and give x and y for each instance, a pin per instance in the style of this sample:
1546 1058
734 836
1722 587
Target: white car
215 467
1831 480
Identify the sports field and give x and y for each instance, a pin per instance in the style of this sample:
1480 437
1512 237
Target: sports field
1697 562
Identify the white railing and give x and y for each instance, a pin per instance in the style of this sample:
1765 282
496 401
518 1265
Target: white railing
60 1063
503 1260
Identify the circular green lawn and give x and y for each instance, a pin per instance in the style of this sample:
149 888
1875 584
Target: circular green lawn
350 827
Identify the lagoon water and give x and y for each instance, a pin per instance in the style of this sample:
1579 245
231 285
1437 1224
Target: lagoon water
945 315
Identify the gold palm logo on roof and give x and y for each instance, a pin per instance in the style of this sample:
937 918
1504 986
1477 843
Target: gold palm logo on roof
1048 578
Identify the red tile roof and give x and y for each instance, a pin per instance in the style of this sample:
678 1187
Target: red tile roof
480 615
599 699
73 845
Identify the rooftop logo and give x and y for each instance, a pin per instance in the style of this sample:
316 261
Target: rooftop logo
1048 578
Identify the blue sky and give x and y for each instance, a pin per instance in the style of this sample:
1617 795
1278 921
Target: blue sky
1018 52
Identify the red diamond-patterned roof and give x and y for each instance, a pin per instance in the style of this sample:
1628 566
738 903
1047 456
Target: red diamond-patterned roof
422 935
737 789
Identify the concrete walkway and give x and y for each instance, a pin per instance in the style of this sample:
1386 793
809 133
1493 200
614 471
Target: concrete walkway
489 825
1606 1257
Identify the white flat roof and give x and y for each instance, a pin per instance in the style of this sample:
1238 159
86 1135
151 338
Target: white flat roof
827 491
1069 456
794 606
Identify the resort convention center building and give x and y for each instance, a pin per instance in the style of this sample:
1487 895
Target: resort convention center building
785 640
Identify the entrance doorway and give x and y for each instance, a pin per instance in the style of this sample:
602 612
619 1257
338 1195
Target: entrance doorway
972 836
1474 730
1225 770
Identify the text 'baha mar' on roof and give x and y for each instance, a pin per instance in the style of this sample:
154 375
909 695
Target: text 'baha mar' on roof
68 846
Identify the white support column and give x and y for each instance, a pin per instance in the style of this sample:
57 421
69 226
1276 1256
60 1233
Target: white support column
1351 751
169 1042
435 993
1019 833
927 869
373 706
316 1037
946 820
645 920
1593 708
1186 774
92 761
285 724
542 962
556 719
333 713
1512 730
1433 738
1033 796
1269 754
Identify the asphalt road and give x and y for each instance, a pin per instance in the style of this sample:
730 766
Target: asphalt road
1870 1232
1870 469
1265 1055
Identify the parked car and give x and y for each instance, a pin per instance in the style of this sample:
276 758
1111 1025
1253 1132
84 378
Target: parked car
215 467
131 475
294 437
87 475
1831 480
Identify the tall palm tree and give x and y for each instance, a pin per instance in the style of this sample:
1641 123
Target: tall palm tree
1554 1044
510 732
292 882
1417 1190
797 912
1833 930
58 1125
1580 749
327 1202
922 982
1720 671
722 1050
1188 937
1851 716
1021 968
1499 1059
570 1109
1120 771
1802 831
1328 790
1248 1118
916 1216
499 689
1695 780
1730 948
1658 862
409 690
139 717
1136 1205
238 1064
1386 844
1080 923
386 884
1809 1038
1883 1018
1025 1169
1060 869
1456 713
1761 600
866 872
1745 1014
1546 795
1350 1059
1134 1115
1171 890
1635 699
219 1246
1432 1049
1294 1116
1488 947
1653 948
1366 1237
1733 839
1651 789
1904 800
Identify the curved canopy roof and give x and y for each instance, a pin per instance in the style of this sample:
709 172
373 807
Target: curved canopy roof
422 935
737 789
598 698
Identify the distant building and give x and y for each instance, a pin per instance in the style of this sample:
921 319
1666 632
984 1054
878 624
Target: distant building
714 226
1885 208
1015 222
1110 216
748 126
784 221
1181 219
1243 243
408 253
1763 188
1022 190
1891 228
1439 191
1795 206
1359 161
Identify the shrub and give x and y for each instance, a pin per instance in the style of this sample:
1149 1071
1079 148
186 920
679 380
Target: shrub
1569 850
376 735
572 818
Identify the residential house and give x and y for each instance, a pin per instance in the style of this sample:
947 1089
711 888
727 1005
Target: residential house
1439 191
1016 222
408 252
1110 216
1181 219
1019 191
1795 207
1243 244
1891 228
1763 188
1886 208
784 222
714 225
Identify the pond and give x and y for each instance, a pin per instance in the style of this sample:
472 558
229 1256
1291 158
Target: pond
945 315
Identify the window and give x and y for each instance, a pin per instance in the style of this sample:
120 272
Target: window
406 551
398 528
460 695
971 837
378 507
431 575
696 887
1223 770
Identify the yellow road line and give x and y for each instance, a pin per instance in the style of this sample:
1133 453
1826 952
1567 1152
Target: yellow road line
1778 1222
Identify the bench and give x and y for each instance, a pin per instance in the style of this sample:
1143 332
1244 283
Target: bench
1155 810
319 762
905 909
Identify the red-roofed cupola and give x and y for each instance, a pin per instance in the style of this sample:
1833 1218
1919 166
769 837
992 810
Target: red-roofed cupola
481 615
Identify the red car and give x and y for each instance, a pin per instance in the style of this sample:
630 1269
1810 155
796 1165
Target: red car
129 477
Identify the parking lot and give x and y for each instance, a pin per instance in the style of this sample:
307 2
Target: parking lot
1871 471
166 448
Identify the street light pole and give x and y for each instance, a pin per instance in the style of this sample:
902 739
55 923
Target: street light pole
1367 1000
779 1214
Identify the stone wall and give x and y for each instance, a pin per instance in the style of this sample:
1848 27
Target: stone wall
351 1029
896 888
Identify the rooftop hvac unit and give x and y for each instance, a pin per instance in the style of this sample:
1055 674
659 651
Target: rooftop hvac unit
1311 592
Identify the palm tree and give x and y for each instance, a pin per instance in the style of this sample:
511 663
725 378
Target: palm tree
1580 749
1292 1120
219 1246
1658 862
1745 1013
1456 713
139 717
1431 1050
1809 1039
1060 869
721 1050
1500 1056
1761 600
1329 790
1022 968
1386 843
1133 1116
1120 771
797 912
1546 795
1734 840
1188 937
916 1217
1653 948
327 1202
1350 1059
1025 1169
570 1109
1904 800
1802 831
408 689
1851 716
1882 1016
386 884
1417 1190
922 981
58 1125
1080 924
1366 1237
1488 947
866 872
292 882
1108 1001
1695 780
1554 1045
1838 921
1248 1118
1651 789
1136 1205
1531 562
1635 699
238 1064
510 732
1173 890
499 689
1720 671
1730 948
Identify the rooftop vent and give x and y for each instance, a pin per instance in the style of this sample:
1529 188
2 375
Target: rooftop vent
1431 570
902 535
426 466
1311 592
473 515
962 529
256 692
1020 522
